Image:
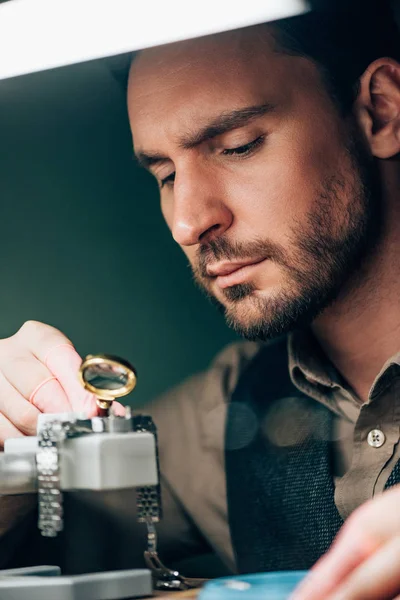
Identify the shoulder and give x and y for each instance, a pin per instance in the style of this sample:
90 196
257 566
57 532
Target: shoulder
195 410
236 359
210 387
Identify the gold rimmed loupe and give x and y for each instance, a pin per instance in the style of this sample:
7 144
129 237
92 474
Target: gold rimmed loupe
107 377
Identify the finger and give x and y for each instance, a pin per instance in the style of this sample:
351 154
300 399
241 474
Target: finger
39 338
16 409
377 578
352 546
7 430
49 397
118 409
64 362
27 374
57 353
369 527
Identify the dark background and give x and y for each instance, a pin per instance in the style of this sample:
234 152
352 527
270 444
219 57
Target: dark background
83 246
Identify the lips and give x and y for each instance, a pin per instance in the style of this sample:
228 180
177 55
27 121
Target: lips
230 274
229 268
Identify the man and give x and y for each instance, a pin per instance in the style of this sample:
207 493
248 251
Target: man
276 152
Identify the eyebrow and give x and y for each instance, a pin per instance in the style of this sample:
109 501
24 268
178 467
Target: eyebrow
225 122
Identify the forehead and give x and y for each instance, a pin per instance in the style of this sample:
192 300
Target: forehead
176 87
206 56
187 74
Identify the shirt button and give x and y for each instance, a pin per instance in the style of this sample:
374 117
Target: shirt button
376 438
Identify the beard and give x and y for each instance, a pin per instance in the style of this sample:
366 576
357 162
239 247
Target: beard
325 260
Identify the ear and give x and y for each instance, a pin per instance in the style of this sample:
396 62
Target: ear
378 107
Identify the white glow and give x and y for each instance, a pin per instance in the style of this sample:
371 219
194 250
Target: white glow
41 34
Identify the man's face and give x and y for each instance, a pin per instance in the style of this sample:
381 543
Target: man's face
263 183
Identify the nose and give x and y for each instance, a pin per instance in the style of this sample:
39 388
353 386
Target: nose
200 212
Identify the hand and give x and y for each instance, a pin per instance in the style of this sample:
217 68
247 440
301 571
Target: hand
39 354
364 561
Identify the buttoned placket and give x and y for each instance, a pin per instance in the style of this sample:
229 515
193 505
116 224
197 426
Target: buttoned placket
375 449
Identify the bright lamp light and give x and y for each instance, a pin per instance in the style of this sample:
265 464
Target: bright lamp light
42 34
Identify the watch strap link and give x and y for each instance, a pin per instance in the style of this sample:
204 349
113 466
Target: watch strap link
148 498
50 500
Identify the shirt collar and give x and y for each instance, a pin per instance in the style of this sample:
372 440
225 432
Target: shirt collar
313 374
308 362
389 371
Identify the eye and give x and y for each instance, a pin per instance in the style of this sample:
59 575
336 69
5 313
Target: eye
166 180
240 151
245 150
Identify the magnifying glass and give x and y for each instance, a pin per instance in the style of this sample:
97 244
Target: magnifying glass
107 377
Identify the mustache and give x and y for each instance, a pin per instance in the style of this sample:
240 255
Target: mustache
223 249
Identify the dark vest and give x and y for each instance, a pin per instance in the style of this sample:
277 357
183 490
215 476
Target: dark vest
278 451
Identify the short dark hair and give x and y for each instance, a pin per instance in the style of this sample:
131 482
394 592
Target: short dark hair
342 37
342 42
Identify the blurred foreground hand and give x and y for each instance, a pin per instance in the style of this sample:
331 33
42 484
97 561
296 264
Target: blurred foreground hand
364 561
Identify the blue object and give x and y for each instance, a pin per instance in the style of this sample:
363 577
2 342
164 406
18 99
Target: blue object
268 586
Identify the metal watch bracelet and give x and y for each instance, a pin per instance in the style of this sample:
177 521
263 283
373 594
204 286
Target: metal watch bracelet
50 501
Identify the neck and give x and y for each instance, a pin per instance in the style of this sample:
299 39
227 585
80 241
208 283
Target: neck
361 331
